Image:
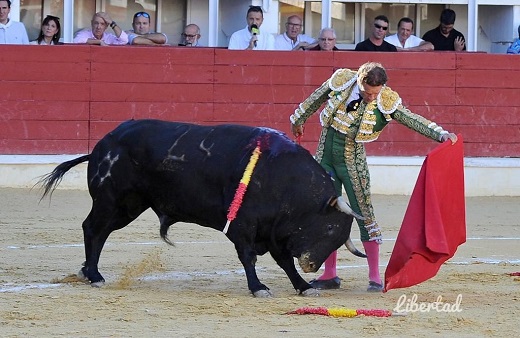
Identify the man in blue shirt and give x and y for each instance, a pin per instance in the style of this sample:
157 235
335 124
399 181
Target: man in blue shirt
515 46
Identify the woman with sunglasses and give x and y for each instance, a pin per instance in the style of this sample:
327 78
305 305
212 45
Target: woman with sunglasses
376 42
50 32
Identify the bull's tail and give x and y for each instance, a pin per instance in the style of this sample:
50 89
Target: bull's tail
50 181
164 233
166 222
350 246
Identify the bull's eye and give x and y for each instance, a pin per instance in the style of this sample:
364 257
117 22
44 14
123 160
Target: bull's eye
330 227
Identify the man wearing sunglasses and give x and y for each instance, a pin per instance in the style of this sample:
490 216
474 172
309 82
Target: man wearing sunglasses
376 42
141 34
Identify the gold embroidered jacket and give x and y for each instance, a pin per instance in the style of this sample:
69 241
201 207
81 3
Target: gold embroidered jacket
368 120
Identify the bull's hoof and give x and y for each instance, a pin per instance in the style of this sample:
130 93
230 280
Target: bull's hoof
263 294
97 284
81 275
312 292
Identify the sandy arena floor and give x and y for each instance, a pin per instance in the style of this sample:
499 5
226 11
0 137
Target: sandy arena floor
198 287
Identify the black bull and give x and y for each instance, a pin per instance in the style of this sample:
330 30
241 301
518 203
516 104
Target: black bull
190 173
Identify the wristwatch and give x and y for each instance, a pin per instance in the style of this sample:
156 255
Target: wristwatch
113 24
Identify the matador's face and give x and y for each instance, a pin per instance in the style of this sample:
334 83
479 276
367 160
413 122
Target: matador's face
369 93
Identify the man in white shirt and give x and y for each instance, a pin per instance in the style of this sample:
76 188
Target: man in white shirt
292 39
404 40
250 37
11 32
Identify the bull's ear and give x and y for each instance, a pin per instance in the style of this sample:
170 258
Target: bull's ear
329 205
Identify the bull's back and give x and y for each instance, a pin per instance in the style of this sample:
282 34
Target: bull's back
176 164
159 143
195 170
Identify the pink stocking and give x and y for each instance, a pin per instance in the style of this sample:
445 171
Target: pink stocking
330 267
372 251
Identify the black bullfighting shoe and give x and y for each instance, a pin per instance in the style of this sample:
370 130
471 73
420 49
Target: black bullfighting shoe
374 287
326 284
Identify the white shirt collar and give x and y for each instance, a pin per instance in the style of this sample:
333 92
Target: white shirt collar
9 21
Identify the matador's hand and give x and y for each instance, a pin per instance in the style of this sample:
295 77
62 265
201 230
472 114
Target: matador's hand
449 136
297 130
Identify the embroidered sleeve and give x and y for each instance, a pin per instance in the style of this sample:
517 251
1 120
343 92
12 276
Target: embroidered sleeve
418 123
311 104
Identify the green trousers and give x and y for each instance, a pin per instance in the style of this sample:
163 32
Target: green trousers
345 161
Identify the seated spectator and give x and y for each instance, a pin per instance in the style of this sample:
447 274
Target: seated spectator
515 46
50 32
11 32
191 36
141 34
250 37
326 41
376 42
97 35
445 37
292 39
404 40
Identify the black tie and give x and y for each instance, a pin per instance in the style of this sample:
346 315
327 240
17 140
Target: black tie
353 105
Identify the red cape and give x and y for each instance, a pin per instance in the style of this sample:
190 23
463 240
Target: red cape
435 221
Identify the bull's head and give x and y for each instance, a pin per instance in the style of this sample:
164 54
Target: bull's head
310 261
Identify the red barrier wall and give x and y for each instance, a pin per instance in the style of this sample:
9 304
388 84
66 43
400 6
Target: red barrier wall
62 99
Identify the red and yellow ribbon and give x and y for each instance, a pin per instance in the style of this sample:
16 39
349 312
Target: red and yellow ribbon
340 312
242 186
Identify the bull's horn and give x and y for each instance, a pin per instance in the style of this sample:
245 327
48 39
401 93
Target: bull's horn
350 246
343 206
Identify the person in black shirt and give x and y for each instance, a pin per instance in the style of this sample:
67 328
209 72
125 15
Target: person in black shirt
444 36
376 42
